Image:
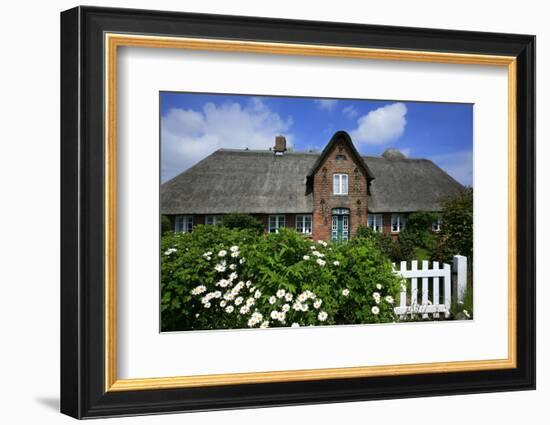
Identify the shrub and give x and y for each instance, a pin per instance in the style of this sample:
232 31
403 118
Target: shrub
184 267
219 278
242 221
165 224
456 235
400 249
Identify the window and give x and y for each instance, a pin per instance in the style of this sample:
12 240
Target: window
275 222
397 222
212 219
340 184
184 223
436 226
375 222
303 224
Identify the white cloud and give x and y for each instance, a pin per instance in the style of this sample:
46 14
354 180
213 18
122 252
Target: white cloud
326 104
458 165
350 112
383 125
187 135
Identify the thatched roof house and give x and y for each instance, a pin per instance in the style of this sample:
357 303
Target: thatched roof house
328 194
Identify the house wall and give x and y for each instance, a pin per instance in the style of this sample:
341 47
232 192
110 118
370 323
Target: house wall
324 200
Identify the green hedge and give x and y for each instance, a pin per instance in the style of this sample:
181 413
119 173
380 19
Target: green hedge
220 278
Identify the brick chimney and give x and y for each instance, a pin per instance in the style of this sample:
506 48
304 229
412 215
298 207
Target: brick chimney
280 145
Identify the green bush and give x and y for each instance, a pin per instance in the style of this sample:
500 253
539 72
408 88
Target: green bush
216 278
456 235
398 249
242 221
165 225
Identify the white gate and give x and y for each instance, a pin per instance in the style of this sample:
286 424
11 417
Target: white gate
431 301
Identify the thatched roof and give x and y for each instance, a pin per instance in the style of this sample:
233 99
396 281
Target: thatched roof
241 181
250 181
406 184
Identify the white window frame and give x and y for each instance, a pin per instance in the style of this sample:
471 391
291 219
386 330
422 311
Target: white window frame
280 221
436 225
216 219
376 222
301 224
340 184
183 223
397 223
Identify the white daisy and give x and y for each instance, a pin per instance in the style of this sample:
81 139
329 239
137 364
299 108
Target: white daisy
322 316
265 324
317 303
232 266
336 263
198 290
272 300
286 307
295 325
274 314
257 294
389 299
375 310
235 254
238 300
207 305
345 292
220 268
378 286
229 309
306 257
222 253
281 293
244 309
288 297
321 262
234 248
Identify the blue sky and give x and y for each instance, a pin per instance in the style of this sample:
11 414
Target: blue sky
195 125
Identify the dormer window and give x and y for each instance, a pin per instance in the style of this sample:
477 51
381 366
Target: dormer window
340 184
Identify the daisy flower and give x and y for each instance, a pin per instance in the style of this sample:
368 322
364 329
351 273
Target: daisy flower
375 310
322 316
345 292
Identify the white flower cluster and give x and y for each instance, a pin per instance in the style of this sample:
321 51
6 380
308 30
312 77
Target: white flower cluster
170 251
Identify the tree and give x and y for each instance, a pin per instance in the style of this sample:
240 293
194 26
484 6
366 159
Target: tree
418 233
456 235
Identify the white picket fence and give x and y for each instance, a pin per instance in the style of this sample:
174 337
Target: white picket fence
431 301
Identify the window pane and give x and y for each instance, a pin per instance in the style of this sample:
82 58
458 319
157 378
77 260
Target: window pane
336 184
344 184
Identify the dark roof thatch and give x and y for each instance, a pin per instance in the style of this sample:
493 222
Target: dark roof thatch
248 181
407 185
241 181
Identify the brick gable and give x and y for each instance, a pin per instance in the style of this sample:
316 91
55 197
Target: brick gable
339 158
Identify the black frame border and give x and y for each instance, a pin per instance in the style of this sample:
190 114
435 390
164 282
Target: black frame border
82 207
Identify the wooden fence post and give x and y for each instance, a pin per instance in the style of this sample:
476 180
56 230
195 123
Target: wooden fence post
460 269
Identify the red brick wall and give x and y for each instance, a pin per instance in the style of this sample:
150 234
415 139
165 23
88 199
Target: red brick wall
324 200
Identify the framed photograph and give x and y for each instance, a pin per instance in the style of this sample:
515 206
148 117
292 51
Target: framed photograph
261 212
